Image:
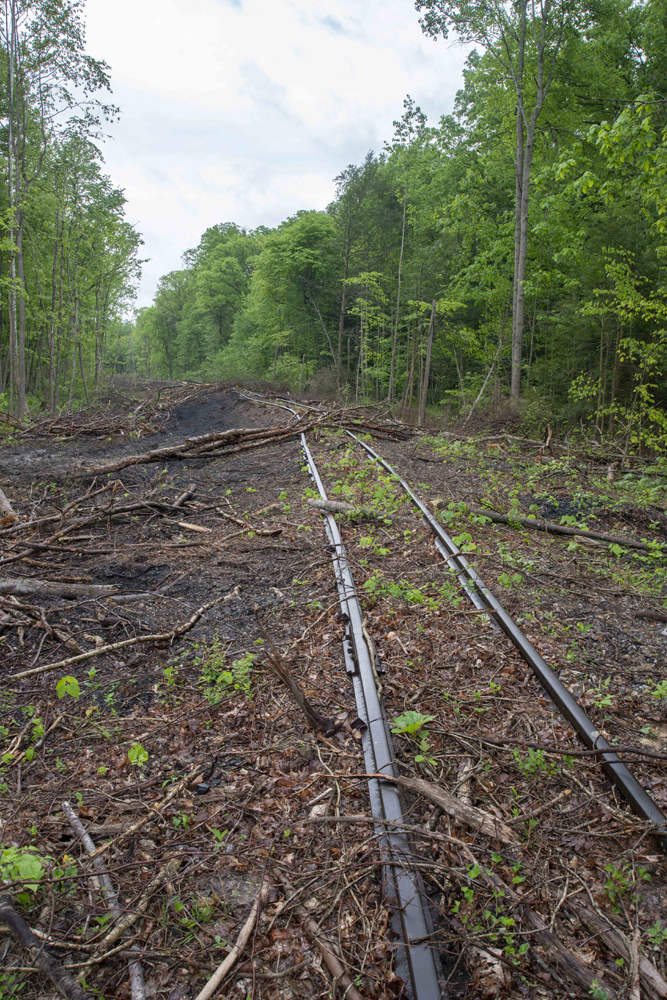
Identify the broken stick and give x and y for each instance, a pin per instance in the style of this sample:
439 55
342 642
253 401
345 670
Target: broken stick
45 962
239 944
318 722
137 987
112 647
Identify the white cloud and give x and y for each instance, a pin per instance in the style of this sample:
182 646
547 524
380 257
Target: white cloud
245 110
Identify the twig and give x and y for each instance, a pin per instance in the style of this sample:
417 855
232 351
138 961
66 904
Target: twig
239 945
45 962
137 987
176 790
164 874
112 647
332 962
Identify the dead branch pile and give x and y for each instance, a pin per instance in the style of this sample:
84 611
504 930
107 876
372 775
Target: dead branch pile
237 439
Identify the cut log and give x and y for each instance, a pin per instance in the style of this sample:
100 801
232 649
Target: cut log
23 586
8 515
560 529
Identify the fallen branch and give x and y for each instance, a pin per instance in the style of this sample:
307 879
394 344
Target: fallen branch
46 963
23 586
564 529
459 811
137 988
508 741
318 722
340 507
617 944
155 810
122 644
163 875
332 962
239 944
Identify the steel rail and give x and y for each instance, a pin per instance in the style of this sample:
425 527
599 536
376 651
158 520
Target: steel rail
478 592
403 886
416 961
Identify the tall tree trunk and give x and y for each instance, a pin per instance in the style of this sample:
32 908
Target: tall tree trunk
52 327
394 338
517 336
21 316
427 368
343 310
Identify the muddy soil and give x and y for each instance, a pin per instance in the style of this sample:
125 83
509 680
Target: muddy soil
267 788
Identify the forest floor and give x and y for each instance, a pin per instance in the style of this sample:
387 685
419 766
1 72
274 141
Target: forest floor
256 792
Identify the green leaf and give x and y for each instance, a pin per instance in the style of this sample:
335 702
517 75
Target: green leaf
68 685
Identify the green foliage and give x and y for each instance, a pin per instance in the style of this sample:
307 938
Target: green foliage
410 722
220 681
68 686
137 755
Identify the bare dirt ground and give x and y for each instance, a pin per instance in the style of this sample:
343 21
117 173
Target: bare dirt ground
136 721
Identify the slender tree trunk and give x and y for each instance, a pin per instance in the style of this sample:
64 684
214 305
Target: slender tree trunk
275 358
427 368
21 315
52 325
343 312
394 338
83 372
519 161
10 34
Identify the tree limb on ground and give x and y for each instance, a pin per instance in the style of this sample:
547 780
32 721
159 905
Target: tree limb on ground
137 987
239 944
561 529
45 962
23 586
612 938
316 721
470 816
112 647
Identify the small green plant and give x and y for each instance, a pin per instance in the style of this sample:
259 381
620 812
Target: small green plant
622 880
411 723
222 683
660 690
657 935
137 755
170 674
68 685
533 762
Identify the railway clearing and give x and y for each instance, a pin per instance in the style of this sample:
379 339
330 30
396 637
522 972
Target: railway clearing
221 671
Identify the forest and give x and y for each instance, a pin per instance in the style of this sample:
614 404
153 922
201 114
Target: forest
510 255
525 232
68 257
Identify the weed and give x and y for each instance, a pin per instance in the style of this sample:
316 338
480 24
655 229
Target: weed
220 682
533 762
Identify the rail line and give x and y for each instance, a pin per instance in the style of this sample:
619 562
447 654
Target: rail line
480 595
484 600
417 963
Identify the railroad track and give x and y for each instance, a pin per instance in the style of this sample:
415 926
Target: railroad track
403 883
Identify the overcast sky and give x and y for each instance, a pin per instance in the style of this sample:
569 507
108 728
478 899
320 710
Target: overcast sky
245 110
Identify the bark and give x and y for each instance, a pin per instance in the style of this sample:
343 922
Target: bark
23 586
563 529
398 291
427 368
45 962
239 945
614 940
466 815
